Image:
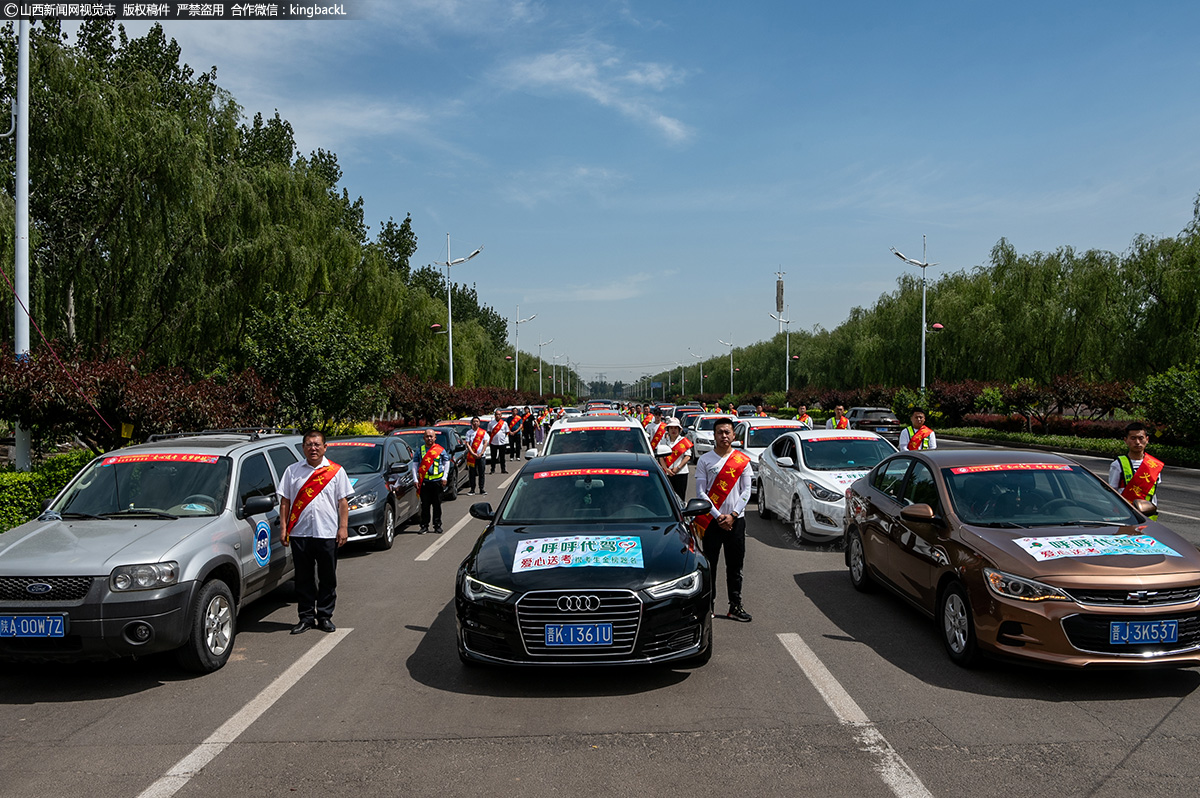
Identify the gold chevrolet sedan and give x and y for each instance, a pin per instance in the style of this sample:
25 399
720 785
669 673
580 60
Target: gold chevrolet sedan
1026 555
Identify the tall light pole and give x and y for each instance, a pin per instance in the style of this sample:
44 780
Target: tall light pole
787 357
517 347
701 359
682 380
24 439
923 263
730 345
543 343
450 299
554 378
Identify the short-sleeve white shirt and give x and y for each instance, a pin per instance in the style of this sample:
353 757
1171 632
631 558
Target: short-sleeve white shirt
320 518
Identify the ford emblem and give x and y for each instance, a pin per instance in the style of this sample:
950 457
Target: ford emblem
38 588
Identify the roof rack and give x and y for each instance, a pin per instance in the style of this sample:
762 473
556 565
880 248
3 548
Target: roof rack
251 433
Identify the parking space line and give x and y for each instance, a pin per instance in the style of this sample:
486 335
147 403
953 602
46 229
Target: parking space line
444 538
894 771
183 771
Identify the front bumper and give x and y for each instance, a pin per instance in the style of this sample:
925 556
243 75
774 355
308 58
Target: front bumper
103 624
366 523
823 520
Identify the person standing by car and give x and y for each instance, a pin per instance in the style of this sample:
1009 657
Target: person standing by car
477 446
724 477
1137 475
528 427
803 417
838 420
314 498
759 412
917 435
514 434
499 441
676 464
433 465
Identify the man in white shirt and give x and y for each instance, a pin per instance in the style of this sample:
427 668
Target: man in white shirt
499 432
726 524
314 505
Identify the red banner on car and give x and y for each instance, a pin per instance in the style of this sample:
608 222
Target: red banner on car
980 469
208 459
589 472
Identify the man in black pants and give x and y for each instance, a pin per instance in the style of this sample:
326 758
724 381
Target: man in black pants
433 466
724 477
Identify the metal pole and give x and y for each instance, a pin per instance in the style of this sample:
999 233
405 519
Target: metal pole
517 351
450 309
924 263
21 254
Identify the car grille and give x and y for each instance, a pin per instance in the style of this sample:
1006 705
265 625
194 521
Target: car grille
621 608
1090 633
1137 598
62 588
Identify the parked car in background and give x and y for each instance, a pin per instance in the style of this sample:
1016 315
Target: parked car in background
594 434
385 489
449 440
880 420
745 411
754 435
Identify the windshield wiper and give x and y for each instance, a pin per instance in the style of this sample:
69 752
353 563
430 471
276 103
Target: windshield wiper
143 511
89 516
1004 525
1086 522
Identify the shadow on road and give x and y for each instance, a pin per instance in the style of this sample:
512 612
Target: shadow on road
435 664
909 640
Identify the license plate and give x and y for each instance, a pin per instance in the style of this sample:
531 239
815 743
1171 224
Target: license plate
579 634
1133 632
33 625
881 429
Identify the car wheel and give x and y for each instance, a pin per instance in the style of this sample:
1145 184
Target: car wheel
452 485
797 519
856 558
212 629
384 542
957 625
763 512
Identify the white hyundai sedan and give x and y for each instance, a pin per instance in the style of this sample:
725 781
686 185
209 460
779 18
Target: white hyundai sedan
803 476
753 435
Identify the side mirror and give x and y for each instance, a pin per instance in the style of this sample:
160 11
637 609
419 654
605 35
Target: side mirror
462 447
738 445
918 513
786 462
397 468
1141 505
530 453
257 505
696 507
483 511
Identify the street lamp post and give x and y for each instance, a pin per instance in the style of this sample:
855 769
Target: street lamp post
555 387
730 345
682 380
517 347
787 356
450 300
701 359
540 345
923 263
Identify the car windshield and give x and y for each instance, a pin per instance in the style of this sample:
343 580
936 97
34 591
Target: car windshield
1021 495
178 484
842 454
762 437
570 440
357 457
707 423
879 415
583 494
416 439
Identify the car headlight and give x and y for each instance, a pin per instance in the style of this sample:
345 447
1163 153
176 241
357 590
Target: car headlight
144 577
683 586
822 494
359 500
475 590
1020 588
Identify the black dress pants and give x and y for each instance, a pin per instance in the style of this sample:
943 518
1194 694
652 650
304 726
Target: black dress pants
734 543
316 577
498 451
431 499
475 471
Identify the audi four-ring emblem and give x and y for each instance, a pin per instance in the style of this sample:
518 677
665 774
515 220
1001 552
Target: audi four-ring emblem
578 603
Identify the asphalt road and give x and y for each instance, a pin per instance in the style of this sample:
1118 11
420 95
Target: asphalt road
827 692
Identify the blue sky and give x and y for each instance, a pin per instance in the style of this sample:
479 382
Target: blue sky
637 171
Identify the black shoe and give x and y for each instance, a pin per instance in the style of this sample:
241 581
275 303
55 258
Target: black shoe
503 470
326 625
423 530
302 627
437 530
483 493
739 614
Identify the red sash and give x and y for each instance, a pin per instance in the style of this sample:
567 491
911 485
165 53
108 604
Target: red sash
514 424
476 442
658 436
315 483
496 430
725 481
805 419
427 461
1143 482
681 447
841 423
648 420
918 438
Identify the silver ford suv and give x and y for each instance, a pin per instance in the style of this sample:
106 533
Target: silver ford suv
153 547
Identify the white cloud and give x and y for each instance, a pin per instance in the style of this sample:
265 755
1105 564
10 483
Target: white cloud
556 183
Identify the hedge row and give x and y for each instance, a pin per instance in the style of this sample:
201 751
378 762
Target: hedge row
22 493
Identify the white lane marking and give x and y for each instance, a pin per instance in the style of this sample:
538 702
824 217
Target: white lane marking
1179 515
444 538
894 771
183 771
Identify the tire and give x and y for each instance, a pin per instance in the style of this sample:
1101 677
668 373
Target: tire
797 520
856 559
212 630
451 492
957 625
763 512
384 541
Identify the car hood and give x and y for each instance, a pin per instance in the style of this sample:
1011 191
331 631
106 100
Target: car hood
836 481
666 554
91 548
1002 548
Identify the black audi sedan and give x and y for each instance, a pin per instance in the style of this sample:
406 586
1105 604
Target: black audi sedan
588 560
